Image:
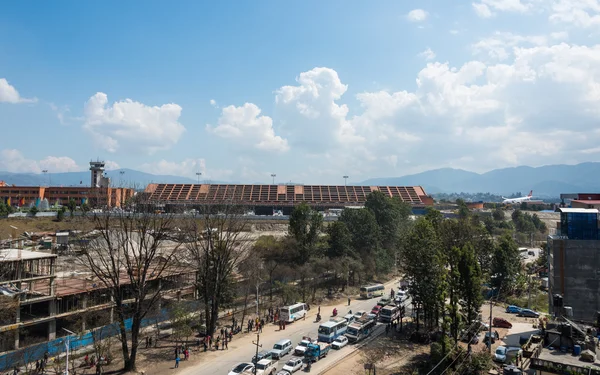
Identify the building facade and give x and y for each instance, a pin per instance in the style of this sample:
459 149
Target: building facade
25 196
574 263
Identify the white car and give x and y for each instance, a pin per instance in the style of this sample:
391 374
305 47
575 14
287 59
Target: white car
340 342
266 367
293 364
400 296
359 314
244 366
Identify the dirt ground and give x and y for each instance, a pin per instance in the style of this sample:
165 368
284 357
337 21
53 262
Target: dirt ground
41 224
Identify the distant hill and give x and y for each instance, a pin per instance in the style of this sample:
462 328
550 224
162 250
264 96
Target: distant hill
130 178
546 181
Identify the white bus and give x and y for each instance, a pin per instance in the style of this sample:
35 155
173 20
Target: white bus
372 291
293 312
332 329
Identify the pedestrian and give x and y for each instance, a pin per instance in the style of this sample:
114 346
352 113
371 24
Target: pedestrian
46 358
319 310
225 342
37 366
147 342
150 341
187 354
205 346
177 362
284 325
222 332
230 335
348 300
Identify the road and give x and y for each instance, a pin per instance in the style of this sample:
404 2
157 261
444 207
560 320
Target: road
242 350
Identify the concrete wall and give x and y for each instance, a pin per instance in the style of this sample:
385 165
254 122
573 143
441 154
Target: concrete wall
575 273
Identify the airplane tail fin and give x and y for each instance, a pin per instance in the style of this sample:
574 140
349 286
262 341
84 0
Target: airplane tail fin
530 193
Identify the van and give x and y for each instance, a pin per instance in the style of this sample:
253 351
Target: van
281 348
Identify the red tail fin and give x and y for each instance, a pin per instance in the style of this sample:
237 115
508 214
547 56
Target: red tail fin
530 193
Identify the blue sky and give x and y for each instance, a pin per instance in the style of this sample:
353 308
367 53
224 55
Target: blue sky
309 90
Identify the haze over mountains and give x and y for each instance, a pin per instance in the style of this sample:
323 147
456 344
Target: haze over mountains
546 181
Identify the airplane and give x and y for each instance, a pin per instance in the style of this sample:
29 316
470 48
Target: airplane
517 200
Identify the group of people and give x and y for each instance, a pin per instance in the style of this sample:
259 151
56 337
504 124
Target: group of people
256 323
181 352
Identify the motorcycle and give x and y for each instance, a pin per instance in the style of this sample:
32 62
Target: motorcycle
334 312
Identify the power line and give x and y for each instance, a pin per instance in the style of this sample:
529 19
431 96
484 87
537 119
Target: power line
456 345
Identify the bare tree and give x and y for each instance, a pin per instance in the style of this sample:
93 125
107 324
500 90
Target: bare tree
217 242
130 257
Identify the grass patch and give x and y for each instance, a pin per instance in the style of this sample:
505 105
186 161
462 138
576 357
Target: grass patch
539 301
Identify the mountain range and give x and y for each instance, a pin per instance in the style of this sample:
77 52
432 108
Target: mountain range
546 181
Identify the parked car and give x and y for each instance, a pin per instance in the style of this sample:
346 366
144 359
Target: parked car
281 348
266 367
504 354
474 338
494 337
400 296
283 372
359 314
263 354
501 322
340 342
512 309
529 313
293 364
384 301
238 369
376 309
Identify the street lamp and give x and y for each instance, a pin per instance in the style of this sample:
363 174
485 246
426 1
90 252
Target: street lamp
345 180
67 345
273 175
45 172
198 174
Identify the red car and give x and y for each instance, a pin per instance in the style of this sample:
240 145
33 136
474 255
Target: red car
501 322
376 309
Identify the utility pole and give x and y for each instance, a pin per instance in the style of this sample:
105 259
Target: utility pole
257 346
273 175
67 345
490 338
345 180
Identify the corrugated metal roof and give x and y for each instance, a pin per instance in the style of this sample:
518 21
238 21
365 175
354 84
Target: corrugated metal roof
586 201
578 210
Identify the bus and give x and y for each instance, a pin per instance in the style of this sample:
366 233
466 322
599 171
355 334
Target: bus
389 313
293 312
332 329
372 291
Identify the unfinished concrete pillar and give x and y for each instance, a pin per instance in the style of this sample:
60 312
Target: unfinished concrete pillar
85 304
52 323
18 316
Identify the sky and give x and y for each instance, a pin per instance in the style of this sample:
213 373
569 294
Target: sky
310 91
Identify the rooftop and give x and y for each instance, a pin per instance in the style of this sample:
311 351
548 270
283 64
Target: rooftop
569 359
11 255
587 201
577 210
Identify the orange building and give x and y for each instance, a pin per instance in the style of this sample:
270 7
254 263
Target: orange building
95 197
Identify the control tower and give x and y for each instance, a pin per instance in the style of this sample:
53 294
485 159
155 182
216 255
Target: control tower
97 174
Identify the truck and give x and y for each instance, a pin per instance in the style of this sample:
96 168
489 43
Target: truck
360 329
389 313
302 345
316 351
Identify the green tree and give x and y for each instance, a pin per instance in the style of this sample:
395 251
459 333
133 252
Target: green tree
424 268
60 214
181 321
463 210
435 217
364 232
470 283
71 205
498 214
339 240
33 210
304 226
505 264
85 208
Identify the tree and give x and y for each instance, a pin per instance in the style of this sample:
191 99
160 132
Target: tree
470 283
272 253
463 210
498 214
33 210
181 321
424 268
251 269
60 214
339 240
217 243
304 226
85 208
505 264
72 206
129 257
365 235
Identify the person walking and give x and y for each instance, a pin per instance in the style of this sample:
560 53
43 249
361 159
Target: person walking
177 361
348 300
225 342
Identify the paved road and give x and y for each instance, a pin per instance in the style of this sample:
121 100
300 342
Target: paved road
242 350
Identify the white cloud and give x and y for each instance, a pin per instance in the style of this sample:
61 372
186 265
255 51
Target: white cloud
8 94
60 112
134 124
12 160
213 103
580 13
500 45
111 165
482 10
417 15
428 54
187 168
245 125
